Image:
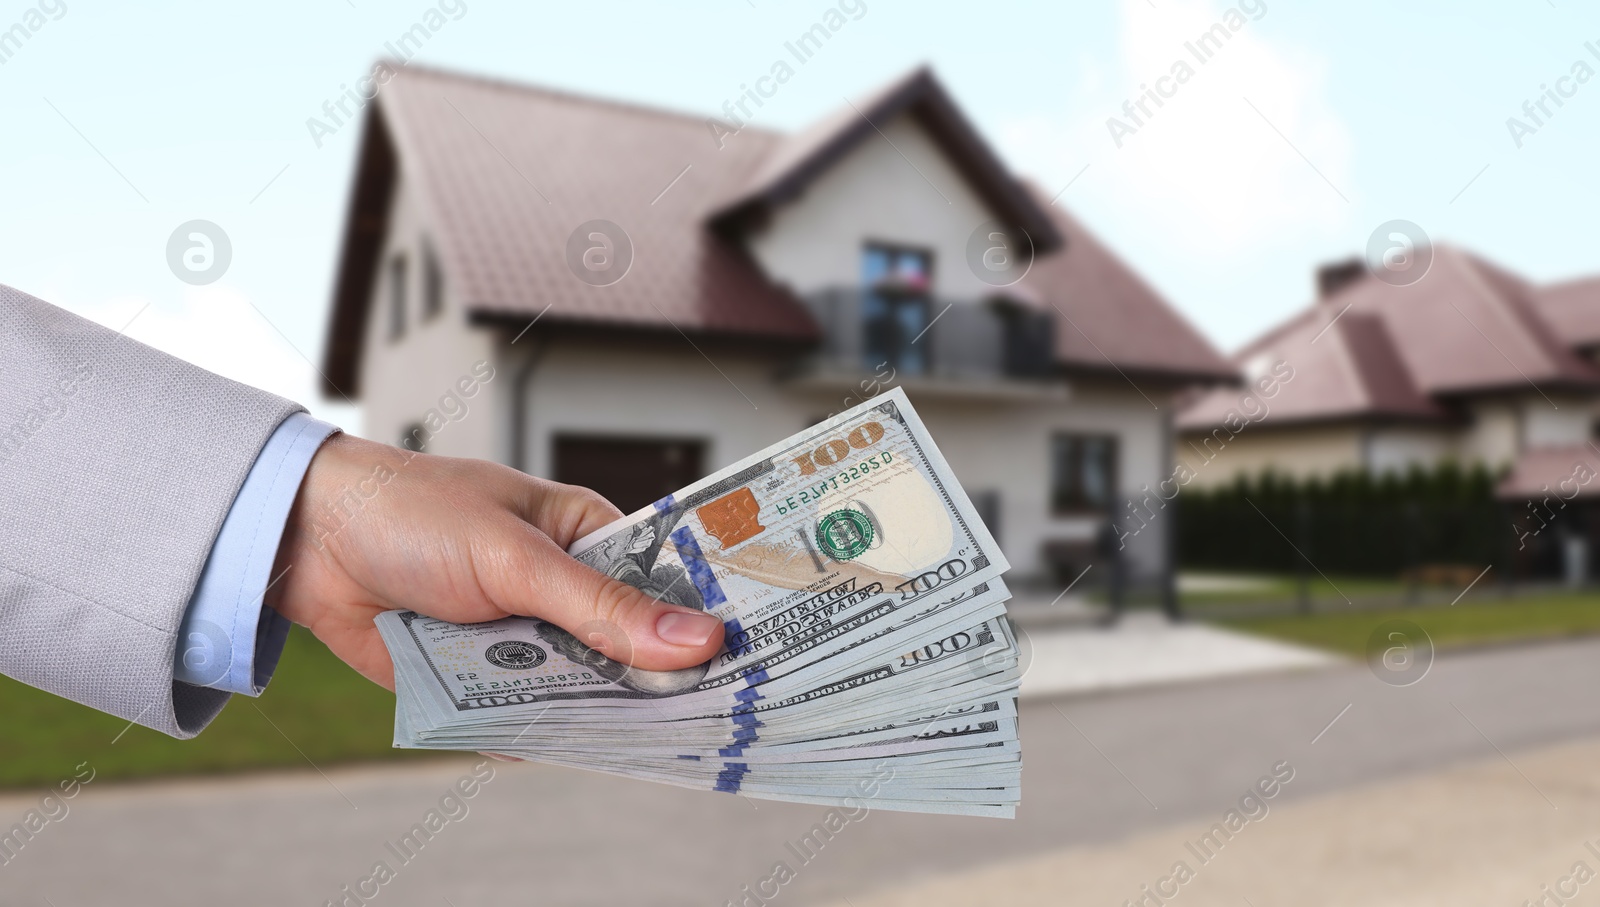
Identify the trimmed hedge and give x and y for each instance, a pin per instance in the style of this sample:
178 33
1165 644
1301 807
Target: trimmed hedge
1351 523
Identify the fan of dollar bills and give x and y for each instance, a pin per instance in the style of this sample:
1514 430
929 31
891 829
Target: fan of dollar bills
868 657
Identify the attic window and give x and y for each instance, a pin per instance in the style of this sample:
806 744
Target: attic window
432 283
397 297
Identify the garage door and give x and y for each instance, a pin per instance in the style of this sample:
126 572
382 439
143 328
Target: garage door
630 472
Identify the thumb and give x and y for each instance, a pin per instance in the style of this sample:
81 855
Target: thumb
528 574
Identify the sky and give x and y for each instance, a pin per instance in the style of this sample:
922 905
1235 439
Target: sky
1288 147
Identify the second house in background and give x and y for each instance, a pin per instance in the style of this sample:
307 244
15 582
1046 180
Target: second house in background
691 303
1470 365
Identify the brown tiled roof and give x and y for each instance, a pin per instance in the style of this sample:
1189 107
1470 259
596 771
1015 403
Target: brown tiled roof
504 173
1573 310
507 172
1400 352
1539 472
1382 377
1344 366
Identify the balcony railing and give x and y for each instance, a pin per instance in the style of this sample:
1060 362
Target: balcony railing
969 340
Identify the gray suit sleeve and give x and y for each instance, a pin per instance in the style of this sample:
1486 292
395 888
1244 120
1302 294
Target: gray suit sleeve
117 466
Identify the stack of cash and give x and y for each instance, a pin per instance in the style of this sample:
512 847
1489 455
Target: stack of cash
868 659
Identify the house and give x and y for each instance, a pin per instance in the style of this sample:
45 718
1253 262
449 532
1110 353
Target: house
636 297
1472 364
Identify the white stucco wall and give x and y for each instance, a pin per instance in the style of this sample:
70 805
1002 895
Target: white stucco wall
1495 431
586 387
1297 451
1395 449
1560 421
1493 434
1005 447
402 380
815 242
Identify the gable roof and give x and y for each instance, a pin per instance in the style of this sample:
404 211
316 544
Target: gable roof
503 173
1573 310
796 160
1372 350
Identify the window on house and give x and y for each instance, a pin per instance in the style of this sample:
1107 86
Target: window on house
397 297
895 306
987 504
1083 473
432 283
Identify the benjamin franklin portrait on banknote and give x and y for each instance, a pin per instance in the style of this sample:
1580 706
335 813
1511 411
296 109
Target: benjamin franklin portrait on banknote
632 559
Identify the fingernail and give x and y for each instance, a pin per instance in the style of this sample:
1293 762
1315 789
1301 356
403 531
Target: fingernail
686 628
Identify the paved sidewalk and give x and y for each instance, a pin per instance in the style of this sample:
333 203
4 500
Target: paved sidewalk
1145 649
1489 833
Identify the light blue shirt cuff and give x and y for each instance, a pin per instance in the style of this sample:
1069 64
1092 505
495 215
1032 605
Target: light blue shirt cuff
229 640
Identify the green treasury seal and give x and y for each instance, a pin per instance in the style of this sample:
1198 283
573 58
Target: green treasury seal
844 534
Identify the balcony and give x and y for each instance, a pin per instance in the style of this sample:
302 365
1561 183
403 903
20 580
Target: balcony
971 349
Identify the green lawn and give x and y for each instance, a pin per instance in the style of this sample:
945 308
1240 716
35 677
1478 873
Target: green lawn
1281 588
328 711
1481 620
1267 590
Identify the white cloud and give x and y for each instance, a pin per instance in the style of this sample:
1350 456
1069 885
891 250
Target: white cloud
1202 171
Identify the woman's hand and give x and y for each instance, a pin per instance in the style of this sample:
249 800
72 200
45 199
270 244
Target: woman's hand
376 528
